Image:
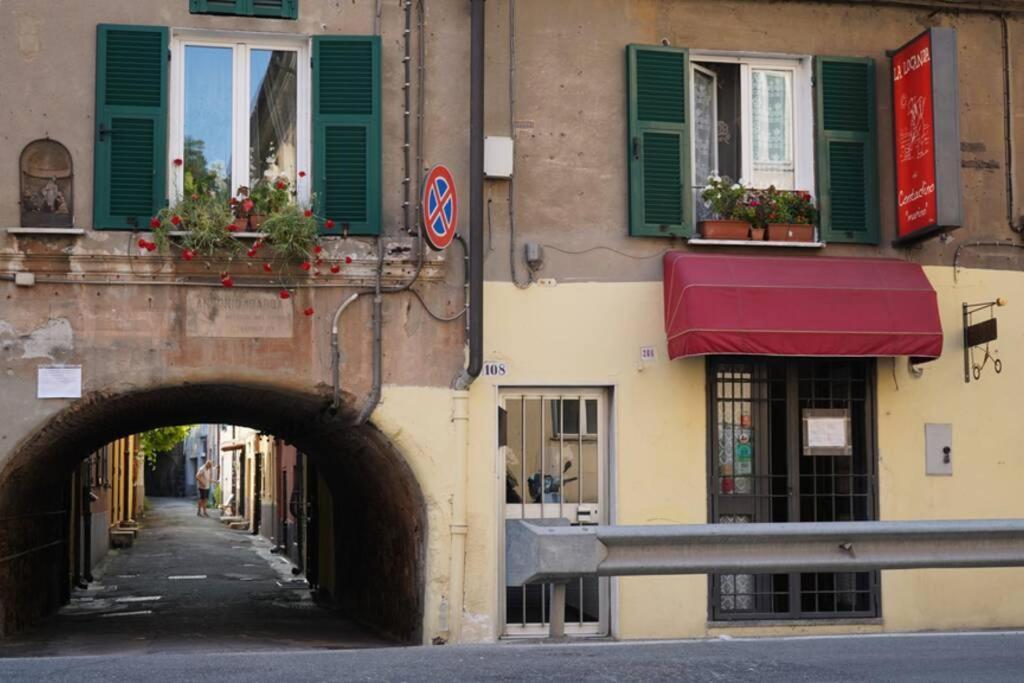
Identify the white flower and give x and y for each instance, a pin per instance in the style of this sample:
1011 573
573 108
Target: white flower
735 186
742 181
716 178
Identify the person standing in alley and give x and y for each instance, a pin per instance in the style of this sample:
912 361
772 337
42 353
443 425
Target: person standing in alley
203 477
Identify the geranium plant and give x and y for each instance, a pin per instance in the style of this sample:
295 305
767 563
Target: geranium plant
289 247
795 207
725 198
271 195
204 220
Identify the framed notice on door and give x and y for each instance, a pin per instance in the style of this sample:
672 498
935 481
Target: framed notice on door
826 432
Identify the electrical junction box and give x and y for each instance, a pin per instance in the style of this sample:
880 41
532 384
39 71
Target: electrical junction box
497 157
938 449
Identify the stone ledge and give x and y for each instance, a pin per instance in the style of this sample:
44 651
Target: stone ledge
46 232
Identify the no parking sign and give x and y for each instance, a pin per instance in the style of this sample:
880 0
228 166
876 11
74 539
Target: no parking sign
440 207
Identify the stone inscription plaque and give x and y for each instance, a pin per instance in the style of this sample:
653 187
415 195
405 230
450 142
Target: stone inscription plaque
238 314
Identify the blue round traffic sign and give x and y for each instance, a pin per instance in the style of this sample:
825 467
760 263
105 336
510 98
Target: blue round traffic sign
440 207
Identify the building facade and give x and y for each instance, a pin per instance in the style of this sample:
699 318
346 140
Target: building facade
607 396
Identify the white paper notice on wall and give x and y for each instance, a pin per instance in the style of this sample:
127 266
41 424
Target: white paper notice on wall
826 432
59 381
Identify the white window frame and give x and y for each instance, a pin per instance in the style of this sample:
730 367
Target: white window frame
241 44
803 107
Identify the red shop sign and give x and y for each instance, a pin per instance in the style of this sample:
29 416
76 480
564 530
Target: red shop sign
926 135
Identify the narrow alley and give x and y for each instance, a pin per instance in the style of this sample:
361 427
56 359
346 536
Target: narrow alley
189 583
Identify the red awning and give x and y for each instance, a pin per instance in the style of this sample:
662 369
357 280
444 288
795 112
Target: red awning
776 306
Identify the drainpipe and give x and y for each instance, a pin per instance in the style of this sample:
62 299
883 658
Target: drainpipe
460 398
1008 110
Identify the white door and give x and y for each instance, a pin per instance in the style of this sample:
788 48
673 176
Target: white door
552 446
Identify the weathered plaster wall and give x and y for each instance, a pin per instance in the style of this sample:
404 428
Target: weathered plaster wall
571 156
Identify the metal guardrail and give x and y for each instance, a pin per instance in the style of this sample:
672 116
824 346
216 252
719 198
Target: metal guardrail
553 551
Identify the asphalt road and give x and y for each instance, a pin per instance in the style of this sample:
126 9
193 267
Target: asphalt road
189 584
954 657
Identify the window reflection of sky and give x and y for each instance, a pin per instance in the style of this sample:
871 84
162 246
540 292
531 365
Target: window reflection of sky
259 63
208 89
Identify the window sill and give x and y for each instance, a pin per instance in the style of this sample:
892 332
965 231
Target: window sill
696 241
243 235
802 623
58 232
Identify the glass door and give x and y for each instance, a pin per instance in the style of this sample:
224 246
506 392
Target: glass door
552 446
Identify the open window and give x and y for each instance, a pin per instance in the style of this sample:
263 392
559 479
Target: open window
792 122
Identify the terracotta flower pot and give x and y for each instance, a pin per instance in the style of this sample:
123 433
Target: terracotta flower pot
757 234
256 220
790 232
724 230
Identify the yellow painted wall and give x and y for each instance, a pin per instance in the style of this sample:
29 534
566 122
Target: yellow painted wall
988 458
591 333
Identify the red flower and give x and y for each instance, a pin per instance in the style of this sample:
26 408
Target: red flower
231 227
187 254
335 268
151 246
280 184
251 252
267 268
142 243
329 224
227 281
284 294
175 219
317 249
348 259
307 213
178 162
247 205
232 201
154 223
305 265
308 311
302 174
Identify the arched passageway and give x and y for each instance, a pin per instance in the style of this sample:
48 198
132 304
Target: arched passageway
378 508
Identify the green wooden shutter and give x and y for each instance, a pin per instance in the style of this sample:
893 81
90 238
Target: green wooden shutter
281 9
277 9
130 171
346 132
660 195
847 157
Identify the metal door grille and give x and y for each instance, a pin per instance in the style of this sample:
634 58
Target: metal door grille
551 445
758 473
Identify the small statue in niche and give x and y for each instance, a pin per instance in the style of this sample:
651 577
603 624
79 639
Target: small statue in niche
53 198
46 185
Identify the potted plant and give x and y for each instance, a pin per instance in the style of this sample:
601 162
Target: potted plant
792 218
727 201
292 234
205 221
241 208
269 196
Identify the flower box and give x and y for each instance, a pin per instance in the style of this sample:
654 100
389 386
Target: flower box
724 230
790 232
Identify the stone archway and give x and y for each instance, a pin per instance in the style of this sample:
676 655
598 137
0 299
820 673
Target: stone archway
379 508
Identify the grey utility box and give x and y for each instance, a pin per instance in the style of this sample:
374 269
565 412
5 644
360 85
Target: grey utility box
938 449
